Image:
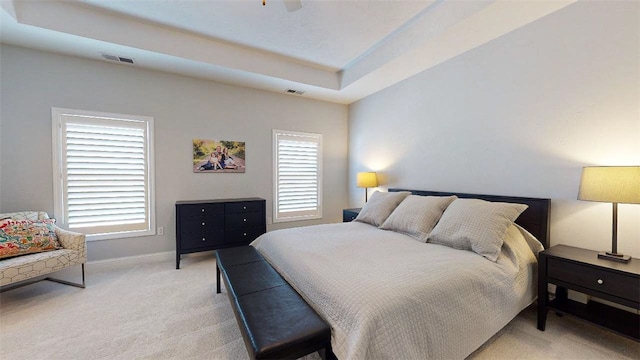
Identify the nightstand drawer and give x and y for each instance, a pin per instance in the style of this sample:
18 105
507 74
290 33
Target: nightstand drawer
599 280
349 215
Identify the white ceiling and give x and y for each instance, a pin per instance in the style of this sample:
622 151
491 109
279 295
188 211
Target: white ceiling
338 51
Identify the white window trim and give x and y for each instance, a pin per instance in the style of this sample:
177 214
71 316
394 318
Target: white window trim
58 186
276 217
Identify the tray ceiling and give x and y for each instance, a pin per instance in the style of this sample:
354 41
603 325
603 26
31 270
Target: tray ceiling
338 51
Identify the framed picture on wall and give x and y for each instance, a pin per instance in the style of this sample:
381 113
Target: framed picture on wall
218 156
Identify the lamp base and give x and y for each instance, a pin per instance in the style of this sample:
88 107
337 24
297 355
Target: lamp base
614 257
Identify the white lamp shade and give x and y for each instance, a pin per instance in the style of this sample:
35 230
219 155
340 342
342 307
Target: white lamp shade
367 180
613 184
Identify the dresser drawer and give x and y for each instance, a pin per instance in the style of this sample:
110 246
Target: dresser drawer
242 236
243 207
234 221
623 286
197 224
201 209
194 241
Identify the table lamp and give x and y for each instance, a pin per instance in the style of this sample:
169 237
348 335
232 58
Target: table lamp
614 184
366 180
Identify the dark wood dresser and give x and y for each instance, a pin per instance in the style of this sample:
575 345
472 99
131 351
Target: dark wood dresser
204 225
580 270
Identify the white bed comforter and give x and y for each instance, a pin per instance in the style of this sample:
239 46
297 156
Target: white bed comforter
388 296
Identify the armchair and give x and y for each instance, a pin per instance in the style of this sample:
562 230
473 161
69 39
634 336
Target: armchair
24 267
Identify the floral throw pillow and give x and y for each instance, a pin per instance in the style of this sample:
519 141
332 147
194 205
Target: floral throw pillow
20 237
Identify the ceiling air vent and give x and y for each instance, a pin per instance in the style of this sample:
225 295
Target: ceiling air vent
294 91
110 57
117 58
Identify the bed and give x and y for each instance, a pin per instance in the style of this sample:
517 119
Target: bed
386 295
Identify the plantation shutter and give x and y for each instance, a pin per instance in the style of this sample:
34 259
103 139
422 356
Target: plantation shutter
298 176
105 174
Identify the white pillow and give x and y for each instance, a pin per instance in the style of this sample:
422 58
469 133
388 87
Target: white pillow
477 225
380 206
417 215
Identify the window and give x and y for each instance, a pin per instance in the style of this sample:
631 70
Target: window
103 175
297 176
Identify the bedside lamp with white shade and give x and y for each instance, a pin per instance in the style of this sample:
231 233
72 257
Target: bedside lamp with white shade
367 180
614 184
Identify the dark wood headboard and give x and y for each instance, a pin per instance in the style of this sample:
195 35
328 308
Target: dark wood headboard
535 218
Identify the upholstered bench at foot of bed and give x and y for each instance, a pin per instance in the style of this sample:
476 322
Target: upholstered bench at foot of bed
276 323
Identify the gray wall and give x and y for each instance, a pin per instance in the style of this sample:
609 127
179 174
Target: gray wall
184 108
518 116
0 132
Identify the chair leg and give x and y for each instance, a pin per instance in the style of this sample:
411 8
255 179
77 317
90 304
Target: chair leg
49 279
69 282
25 283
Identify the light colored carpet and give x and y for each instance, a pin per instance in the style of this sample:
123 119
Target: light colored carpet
152 311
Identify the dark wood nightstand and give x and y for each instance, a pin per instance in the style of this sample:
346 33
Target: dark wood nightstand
349 215
580 270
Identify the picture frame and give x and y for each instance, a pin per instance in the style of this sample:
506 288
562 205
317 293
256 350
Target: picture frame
218 156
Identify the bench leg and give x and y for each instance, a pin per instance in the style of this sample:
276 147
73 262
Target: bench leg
217 279
323 353
326 353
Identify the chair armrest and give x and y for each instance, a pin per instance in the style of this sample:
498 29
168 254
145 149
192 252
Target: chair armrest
72 240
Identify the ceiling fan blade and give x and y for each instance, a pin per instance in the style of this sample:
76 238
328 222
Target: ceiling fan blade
293 5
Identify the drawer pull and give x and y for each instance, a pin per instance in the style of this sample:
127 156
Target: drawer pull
202 224
245 220
202 210
203 239
600 282
245 234
244 208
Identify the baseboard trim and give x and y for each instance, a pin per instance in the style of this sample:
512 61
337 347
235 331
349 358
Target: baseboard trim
129 261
